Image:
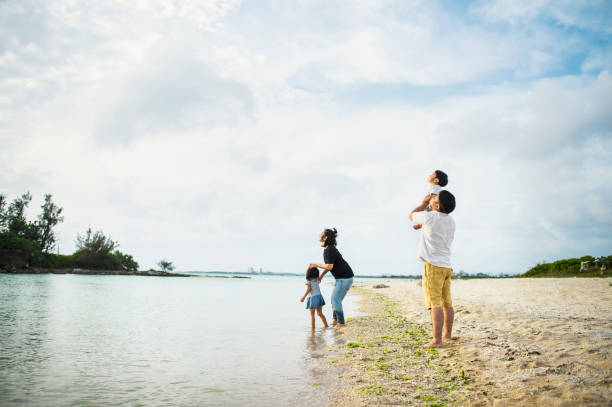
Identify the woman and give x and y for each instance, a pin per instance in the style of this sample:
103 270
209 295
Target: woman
339 268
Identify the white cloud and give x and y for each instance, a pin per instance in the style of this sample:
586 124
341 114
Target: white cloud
173 91
584 14
220 135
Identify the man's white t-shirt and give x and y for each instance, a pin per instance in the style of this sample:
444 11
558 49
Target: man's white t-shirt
437 236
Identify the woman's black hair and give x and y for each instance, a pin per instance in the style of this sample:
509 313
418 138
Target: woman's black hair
442 178
447 201
312 273
331 236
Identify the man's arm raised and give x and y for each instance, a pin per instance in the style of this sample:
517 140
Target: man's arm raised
422 206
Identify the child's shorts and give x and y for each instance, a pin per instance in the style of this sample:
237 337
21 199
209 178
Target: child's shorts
315 301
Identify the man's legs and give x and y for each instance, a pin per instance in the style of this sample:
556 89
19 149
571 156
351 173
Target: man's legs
447 304
449 318
436 283
437 322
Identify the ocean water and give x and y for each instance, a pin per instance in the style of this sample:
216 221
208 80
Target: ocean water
132 340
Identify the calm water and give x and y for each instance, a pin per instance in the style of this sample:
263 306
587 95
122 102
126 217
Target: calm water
130 340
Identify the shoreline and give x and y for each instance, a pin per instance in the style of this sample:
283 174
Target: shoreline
36 270
521 342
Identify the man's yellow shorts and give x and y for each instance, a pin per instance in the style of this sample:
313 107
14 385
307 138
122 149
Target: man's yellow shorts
436 283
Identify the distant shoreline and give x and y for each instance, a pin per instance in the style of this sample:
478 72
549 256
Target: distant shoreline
37 270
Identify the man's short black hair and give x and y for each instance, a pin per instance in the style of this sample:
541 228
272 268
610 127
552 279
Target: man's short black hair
447 201
442 178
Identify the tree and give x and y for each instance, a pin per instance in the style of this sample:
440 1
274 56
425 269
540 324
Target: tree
3 213
15 215
166 265
50 216
30 240
94 250
126 261
95 242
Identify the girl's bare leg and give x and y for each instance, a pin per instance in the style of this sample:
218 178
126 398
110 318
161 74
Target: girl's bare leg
320 313
312 318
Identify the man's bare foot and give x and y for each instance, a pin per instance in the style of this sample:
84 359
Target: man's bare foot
334 322
432 344
339 325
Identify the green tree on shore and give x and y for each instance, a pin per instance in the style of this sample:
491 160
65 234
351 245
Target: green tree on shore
95 251
571 267
14 224
47 220
166 265
3 216
24 243
95 243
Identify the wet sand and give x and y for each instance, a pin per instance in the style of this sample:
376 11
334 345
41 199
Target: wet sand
521 341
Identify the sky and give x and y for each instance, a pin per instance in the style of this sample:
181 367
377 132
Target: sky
226 134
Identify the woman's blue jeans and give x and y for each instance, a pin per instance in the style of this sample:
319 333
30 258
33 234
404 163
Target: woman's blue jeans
340 289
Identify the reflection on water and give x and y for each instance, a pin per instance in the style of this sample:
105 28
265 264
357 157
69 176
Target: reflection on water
112 340
319 342
320 378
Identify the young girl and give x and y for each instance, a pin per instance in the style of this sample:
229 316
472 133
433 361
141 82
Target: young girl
315 299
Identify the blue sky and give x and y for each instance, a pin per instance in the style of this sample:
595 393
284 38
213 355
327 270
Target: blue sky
227 134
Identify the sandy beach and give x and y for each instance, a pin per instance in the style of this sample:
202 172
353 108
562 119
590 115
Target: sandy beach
521 342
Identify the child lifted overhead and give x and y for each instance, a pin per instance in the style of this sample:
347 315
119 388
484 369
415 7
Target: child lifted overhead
437 180
315 299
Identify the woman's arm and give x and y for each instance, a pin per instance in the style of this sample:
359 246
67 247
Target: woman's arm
306 293
326 267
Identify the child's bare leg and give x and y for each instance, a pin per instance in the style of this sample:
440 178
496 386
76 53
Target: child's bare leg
312 318
320 313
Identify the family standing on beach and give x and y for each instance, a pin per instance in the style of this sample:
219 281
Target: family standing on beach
437 227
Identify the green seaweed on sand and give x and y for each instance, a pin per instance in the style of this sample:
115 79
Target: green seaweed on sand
212 389
373 388
383 363
354 345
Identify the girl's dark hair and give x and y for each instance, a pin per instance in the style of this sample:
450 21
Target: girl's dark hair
312 273
447 201
442 178
331 236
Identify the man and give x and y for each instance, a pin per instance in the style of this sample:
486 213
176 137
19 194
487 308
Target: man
434 250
